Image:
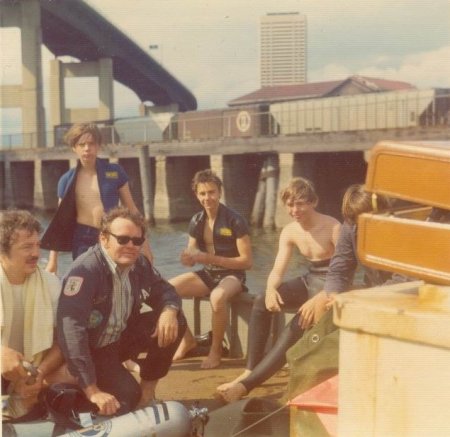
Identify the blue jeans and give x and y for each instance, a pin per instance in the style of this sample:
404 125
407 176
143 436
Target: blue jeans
83 238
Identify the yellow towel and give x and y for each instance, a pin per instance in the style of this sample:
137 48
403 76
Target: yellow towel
38 317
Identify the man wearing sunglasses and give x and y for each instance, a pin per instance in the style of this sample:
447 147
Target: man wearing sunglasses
102 322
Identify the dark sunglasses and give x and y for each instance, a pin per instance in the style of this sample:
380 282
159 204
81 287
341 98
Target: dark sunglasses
125 239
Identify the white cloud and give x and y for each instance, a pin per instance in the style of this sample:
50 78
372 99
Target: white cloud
429 69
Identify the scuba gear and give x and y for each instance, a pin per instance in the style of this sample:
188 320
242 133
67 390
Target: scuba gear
70 413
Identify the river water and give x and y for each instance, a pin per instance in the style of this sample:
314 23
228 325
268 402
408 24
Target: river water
169 240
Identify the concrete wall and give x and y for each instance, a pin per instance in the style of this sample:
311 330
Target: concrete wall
30 183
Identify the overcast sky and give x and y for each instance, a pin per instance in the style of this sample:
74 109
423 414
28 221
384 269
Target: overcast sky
212 46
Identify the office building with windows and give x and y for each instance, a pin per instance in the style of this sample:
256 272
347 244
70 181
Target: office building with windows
283 49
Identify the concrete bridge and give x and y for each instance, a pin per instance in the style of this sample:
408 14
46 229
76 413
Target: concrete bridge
247 166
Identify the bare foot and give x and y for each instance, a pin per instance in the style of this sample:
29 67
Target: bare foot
184 347
211 361
233 393
227 385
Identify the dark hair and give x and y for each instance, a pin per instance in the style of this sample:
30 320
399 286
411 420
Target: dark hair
125 213
78 130
12 221
300 189
357 201
205 176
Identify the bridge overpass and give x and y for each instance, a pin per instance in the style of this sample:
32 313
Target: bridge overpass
73 28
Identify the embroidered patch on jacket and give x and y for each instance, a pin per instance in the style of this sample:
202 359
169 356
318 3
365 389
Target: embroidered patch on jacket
145 294
73 285
225 232
112 174
95 318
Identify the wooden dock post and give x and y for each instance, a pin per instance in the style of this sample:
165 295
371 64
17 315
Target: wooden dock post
146 185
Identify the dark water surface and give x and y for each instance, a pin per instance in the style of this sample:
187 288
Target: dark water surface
169 240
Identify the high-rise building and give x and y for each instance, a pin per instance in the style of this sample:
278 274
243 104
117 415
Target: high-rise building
283 49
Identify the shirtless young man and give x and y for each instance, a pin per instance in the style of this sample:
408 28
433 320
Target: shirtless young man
95 186
314 235
218 239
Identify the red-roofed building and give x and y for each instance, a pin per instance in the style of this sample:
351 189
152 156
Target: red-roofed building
350 86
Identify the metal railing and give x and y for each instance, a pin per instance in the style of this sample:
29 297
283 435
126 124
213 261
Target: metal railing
287 118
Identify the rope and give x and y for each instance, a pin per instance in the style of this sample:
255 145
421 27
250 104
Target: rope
259 421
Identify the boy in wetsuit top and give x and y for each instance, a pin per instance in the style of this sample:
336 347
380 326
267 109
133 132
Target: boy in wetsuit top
218 239
314 235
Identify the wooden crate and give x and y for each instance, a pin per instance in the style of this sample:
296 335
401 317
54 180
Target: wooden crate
403 241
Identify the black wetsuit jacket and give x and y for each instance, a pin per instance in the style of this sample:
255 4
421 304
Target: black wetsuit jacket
84 307
228 227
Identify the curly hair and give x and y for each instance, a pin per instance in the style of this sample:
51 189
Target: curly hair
15 220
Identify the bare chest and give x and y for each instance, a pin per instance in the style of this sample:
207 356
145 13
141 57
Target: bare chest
208 236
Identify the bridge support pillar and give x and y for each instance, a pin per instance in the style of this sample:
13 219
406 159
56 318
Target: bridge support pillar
161 210
216 165
286 162
28 95
103 69
38 195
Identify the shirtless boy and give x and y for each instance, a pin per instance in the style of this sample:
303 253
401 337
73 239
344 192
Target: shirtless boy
218 239
95 186
314 235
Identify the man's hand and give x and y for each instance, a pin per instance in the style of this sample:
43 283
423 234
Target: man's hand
12 368
167 327
25 390
107 403
313 309
188 257
273 301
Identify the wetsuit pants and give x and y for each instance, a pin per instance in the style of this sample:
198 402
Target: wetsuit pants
294 293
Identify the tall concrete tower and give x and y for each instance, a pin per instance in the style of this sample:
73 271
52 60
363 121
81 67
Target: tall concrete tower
283 49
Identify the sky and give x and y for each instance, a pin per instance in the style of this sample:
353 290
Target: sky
212 46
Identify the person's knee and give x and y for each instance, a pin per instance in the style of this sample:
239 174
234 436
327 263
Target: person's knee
218 300
259 302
